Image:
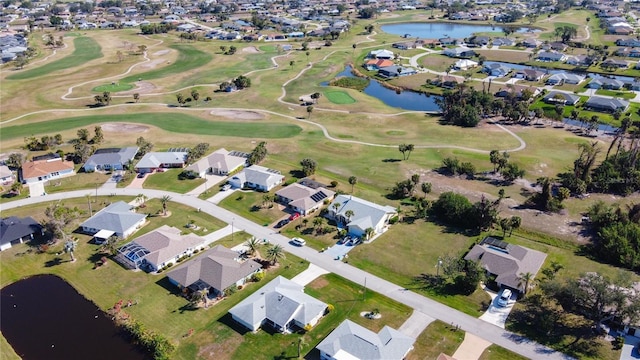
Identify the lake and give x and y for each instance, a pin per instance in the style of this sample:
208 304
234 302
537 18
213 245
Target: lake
435 30
43 317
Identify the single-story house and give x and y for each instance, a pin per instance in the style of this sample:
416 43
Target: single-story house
602 104
281 304
352 341
216 270
479 40
530 43
579 60
303 199
551 56
364 214
43 170
506 261
620 64
529 74
159 248
15 230
628 42
605 83
565 78
153 161
635 86
496 69
404 45
555 45
501 41
381 54
464 64
110 159
119 219
6 175
448 41
459 52
219 162
447 81
556 97
376 64
517 91
620 30
257 177
395 71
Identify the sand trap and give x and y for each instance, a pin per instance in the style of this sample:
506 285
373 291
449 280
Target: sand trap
142 87
161 52
121 127
238 114
251 50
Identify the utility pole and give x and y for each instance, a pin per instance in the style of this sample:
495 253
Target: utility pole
364 291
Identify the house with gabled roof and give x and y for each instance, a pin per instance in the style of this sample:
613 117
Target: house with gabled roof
280 304
15 230
506 261
257 177
216 270
605 83
459 52
352 341
159 248
363 214
557 97
550 56
153 161
110 159
529 74
43 170
381 54
219 162
602 104
6 175
565 78
303 199
117 219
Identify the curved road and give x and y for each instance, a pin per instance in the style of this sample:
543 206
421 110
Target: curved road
418 302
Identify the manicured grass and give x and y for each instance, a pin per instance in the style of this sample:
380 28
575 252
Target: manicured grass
495 352
169 181
339 97
172 122
112 87
249 205
180 216
86 49
437 338
76 182
189 58
617 94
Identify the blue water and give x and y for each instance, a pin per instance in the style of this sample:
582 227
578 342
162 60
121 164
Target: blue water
440 30
407 100
601 127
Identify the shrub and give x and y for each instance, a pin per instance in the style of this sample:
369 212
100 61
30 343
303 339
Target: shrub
188 174
257 276
334 184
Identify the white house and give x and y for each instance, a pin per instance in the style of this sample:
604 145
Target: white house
257 177
117 219
464 64
43 170
363 214
15 230
6 175
219 162
156 160
381 54
303 199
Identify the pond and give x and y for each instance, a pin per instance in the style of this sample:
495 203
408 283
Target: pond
407 100
43 317
435 30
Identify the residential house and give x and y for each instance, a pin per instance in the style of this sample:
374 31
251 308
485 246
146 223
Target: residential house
363 215
448 41
110 159
529 74
506 261
15 230
496 69
159 248
555 46
579 60
501 41
377 64
620 30
556 97
464 64
381 54
395 71
6 175
303 199
352 341
216 270
281 305
635 86
479 41
530 43
406 45
628 42
613 63
219 162
153 161
549 56
459 52
117 219
605 83
518 91
447 81
257 177
598 103
565 78
43 170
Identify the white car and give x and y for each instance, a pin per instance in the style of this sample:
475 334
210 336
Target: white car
504 298
226 187
298 242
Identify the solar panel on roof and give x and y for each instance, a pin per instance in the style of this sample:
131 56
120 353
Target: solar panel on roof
319 196
495 242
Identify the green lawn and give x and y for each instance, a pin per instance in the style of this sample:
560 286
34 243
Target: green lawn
495 352
339 97
181 215
189 58
112 87
248 204
437 338
76 182
169 181
86 49
172 122
618 94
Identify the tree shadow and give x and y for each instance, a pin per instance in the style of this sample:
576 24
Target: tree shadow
53 262
298 174
167 285
389 160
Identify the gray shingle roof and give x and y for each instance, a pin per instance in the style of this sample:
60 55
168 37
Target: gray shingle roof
13 228
365 213
165 243
116 217
361 343
111 156
155 159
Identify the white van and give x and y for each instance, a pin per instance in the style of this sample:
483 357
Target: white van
504 298
298 242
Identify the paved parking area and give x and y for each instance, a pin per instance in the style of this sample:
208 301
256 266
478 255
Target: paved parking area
497 315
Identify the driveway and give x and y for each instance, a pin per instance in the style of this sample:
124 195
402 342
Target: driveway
338 251
629 352
497 315
471 348
137 182
307 276
221 196
415 324
212 180
219 234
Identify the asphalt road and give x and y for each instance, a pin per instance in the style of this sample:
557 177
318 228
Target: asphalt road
434 309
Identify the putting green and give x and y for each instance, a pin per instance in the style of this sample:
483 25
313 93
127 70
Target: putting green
171 122
113 87
339 97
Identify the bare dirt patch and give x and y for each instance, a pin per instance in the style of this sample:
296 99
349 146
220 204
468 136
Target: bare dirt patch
161 52
125 128
251 50
238 114
152 64
142 87
318 283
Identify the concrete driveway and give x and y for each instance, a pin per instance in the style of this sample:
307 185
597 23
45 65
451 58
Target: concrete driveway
416 324
495 314
211 181
221 196
471 348
307 276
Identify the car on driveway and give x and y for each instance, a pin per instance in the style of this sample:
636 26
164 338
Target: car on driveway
504 298
298 242
294 216
226 187
141 175
281 223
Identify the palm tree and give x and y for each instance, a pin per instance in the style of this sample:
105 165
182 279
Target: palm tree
353 181
309 111
203 295
426 188
111 245
349 214
164 200
141 199
317 222
195 95
69 247
525 279
275 254
252 245
136 97
515 221
336 206
368 233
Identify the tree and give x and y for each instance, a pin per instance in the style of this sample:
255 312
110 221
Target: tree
106 97
515 223
308 166
368 233
195 95
512 172
164 201
141 199
353 181
426 188
180 99
99 135
20 61
69 247
83 135
144 146
110 246
452 208
315 96
336 206
15 160
242 82
403 148
16 187
253 245
505 225
258 153
275 253
349 214
136 97
494 156
525 281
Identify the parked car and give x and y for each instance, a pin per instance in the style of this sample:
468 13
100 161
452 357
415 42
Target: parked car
294 216
504 298
141 175
226 187
282 223
298 242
